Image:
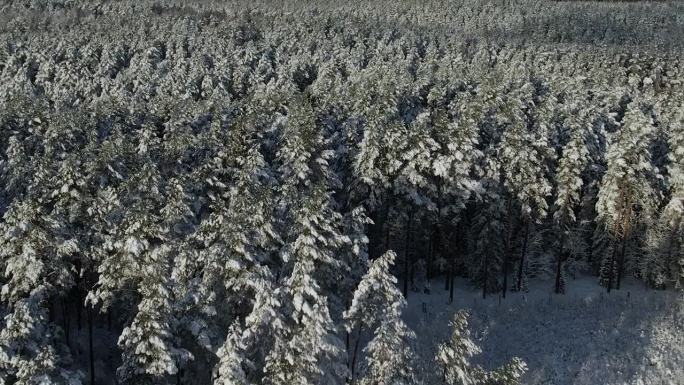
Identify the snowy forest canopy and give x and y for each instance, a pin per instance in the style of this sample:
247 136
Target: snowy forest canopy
238 191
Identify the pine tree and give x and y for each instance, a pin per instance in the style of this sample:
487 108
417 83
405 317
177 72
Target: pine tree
230 368
377 306
568 189
149 354
662 263
525 153
30 347
306 350
627 196
389 355
489 224
454 356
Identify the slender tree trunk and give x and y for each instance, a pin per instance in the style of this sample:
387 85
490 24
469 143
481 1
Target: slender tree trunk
519 284
559 265
387 238
621 261
347 342
611 267
79 296
90 344
451 279
447 251
507 249
485 274
626 216
431 251
505 276
79 307
354 355
65 321
406 253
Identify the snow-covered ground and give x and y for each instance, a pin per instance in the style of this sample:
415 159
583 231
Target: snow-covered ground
632 336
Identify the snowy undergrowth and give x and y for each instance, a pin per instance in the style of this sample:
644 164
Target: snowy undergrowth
632 336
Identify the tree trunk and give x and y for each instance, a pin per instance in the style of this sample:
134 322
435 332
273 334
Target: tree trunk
79 296
612 264
447 251
519 284
406 253
507 248
505 276
559 265
387 238
90 345
621 261
451 279
431 251
79 307
485 274
65 321
354 355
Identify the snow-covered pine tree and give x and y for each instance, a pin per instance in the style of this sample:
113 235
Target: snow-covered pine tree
453 357
489 224
235 237
525 153
454 157
627 196
36 275
573 161
306 349
509 374
376 308
230 368
390 358
31 350
149 355
663 262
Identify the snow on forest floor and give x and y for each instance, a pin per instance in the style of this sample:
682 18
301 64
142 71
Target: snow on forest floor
633 336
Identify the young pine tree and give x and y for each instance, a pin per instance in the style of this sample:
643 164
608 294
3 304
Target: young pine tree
376 308
453 357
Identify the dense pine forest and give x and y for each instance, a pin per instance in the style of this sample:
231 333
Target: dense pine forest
248 192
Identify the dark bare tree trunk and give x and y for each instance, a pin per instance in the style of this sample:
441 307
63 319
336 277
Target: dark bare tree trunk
507 249
505 276
387 238
431 251
407 245
90 344
612 264
65 320
79 307
485 274
79 295
354 355
559 265
519 283
451 279
621 261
